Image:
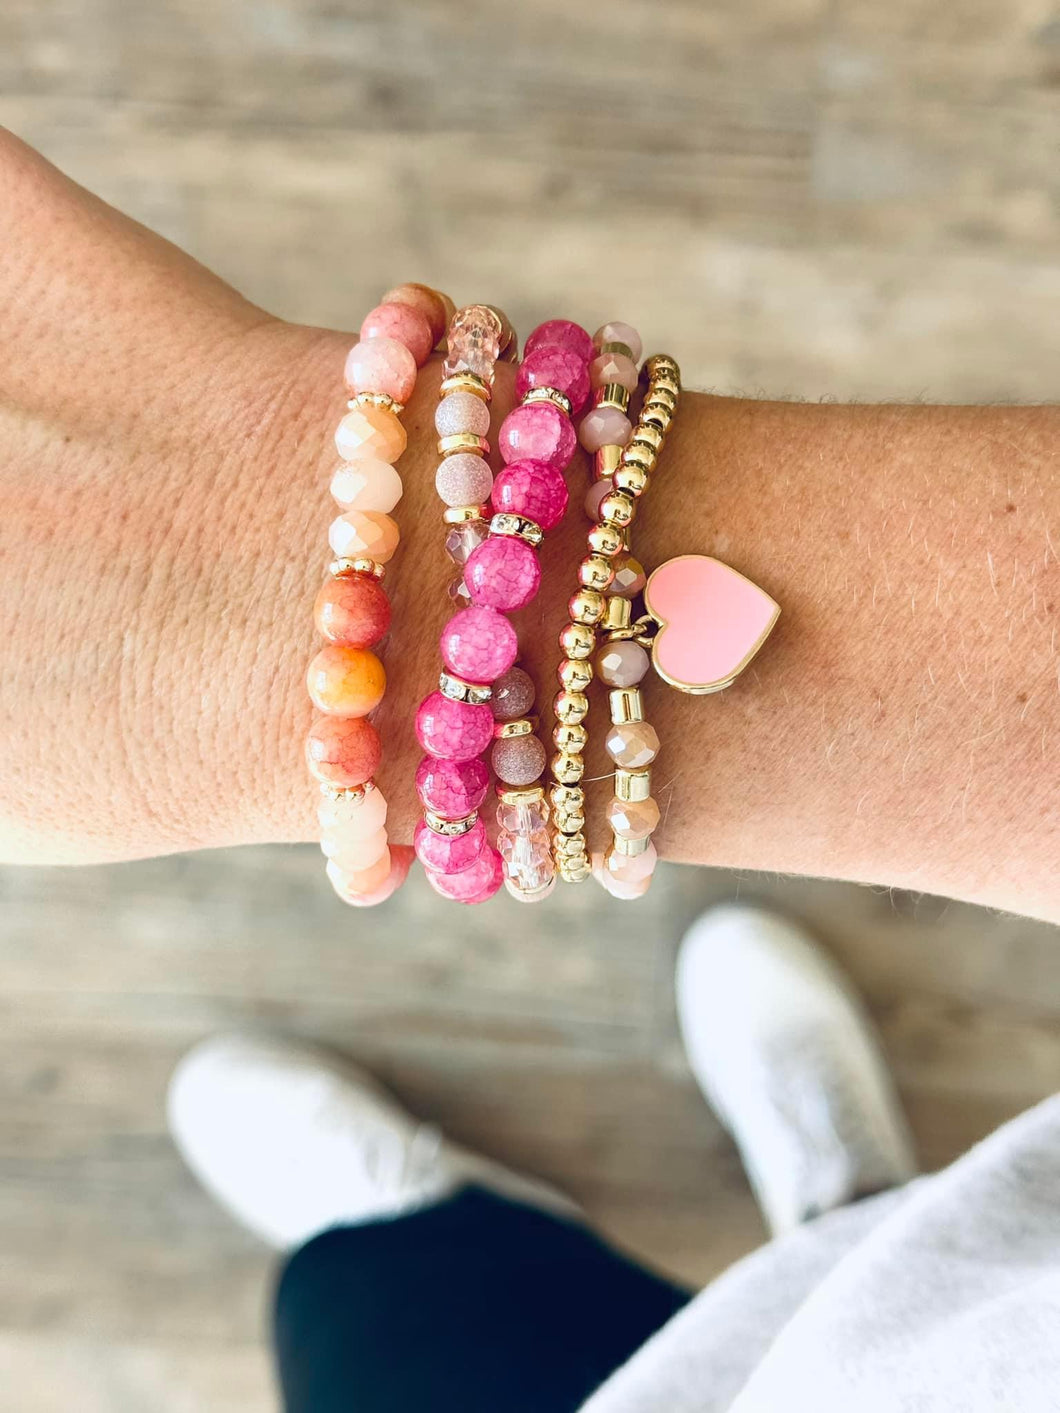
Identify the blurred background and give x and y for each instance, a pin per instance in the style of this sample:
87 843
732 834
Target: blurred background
809 198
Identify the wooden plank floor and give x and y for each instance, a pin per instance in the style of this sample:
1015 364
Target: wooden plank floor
853 202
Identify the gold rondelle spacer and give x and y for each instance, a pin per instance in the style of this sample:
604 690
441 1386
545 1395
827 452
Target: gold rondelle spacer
574 673
464 514
632 785
587 605
618 508
570 736
521 795
571 708
343 568
567 769
627 704
607 540
508 730
463 441
605 461
596 572
376 399
577 640
466 382
631 478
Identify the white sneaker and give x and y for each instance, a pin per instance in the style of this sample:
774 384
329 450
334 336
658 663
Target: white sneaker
293 1142
786 1057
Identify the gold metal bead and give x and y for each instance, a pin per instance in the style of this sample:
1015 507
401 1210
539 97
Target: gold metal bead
521 726
570 845
521 795
616 347
657 414
637 454
650 437
587 605
576 872
631 847
464 514
457 689
618 615
573 823
626 705
567 769
463 441
631 785
612 395
376 399
661 362
553 395
467 382
567 797
575 673
605 461
632 478
571 708
596 572
570 736
606 540
662 392
343 568
577 640
617 508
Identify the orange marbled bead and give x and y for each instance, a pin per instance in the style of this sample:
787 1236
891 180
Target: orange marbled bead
345 681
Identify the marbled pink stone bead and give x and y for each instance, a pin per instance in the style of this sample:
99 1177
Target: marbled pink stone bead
561 333
594 495
461 412
503 573
518 760
403 323
448 853
613 368
453 730
452 788
463 540
366 484
540 431
479 644
619 333
622 663
552 367
474 341
513 695
604 426
383 366
464 479
476 884
534 489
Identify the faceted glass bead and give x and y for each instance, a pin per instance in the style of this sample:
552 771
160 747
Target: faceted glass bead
534 489
632 744
594 495
364 532
459 593
611 368
371 431
363 880
448 853
539 886
363 816
513 695
622 664
561 333
631 868
524 851
503 573
522 819
463 540
633 819
453 730
474 341
604 426
479 644
540 431
619 333
452 788
353 852
366 484
473 885
629 579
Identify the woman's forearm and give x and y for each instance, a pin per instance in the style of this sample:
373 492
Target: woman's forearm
163 509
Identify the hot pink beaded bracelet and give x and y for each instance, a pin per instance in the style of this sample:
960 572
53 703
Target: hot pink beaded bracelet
346 679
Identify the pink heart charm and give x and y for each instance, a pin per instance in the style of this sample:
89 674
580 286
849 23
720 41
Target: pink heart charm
711 620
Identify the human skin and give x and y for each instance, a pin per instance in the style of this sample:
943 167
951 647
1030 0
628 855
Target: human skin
164 458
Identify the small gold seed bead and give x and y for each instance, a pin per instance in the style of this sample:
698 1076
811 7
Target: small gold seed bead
617 508
575 673
631 478
570 736
578 640
567 797
377 399
587 605
571 708
343 568
596 572
665 378
607 458
606 540
567 769
463 441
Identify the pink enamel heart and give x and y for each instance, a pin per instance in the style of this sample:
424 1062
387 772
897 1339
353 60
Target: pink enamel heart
712 622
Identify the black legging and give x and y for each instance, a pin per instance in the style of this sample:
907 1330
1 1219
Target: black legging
476 1305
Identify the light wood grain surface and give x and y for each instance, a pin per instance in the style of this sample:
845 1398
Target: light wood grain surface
813 199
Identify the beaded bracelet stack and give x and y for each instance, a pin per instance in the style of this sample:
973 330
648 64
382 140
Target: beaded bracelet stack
701 621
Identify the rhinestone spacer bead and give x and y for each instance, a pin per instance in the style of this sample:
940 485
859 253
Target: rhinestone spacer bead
518 526
450 828
458 690
552 395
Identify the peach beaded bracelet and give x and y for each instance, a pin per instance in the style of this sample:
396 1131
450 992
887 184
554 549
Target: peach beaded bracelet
345 679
